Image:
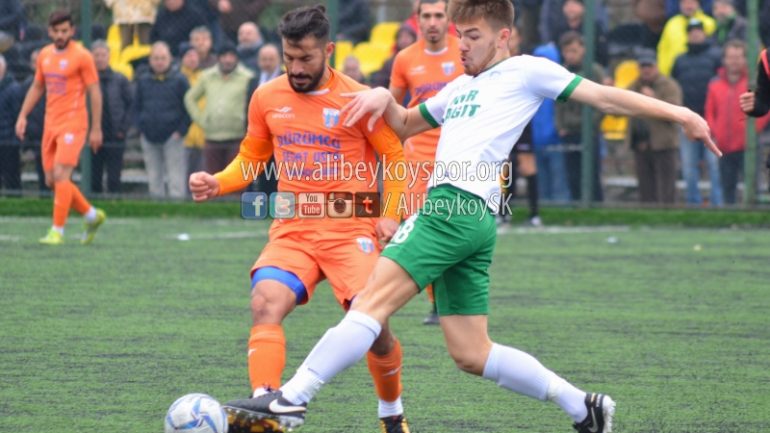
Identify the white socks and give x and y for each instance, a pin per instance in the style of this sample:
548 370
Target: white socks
390 408
60 230
90 214
520 372
340 348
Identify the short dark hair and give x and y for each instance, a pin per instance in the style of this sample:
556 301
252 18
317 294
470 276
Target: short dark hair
59 17
499 13
734 43
570 38
305 21
428 2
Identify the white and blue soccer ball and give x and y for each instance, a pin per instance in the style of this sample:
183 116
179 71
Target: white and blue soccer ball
195 413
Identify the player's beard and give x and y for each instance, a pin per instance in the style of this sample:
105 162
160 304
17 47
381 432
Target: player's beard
61 44
312 81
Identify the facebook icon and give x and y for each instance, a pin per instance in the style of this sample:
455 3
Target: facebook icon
254 205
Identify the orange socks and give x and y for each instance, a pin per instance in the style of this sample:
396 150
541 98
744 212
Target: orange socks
386 372
267 356
79 202
62 199
429 291
67 195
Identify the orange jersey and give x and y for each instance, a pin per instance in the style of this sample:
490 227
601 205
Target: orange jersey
66 74
423 74
313 151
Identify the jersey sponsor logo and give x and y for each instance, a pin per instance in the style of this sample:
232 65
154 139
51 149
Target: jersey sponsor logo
462 106
366 245
283 113
331 117
417 70
448 68
309 138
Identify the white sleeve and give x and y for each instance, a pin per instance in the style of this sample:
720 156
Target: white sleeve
433 108
549 79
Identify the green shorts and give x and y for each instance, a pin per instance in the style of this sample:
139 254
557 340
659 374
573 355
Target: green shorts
449 243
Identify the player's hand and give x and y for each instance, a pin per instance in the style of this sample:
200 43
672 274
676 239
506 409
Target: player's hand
696 128
385 229
21 127
372 101
95 139
747 102
203 186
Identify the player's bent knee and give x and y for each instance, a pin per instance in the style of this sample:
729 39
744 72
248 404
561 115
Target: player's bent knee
469 363
271 303
384 343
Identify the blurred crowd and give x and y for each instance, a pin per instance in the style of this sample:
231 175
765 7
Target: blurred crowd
186 100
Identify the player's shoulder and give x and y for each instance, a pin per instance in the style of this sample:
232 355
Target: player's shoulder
348 84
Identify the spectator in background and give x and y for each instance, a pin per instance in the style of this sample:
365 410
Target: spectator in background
352 68
405 36
223 119
693 70
11 19
655 142
627 40
573 12
233 13
175 20
249 43
116 120
724 116
413 22
673 41
569 121
10 151
673 7
269 62
730 25
163 122
195 139
552 18
202 42
764 24
355 21
33 135
551 177
134 18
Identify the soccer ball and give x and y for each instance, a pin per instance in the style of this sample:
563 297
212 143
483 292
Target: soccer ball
195 413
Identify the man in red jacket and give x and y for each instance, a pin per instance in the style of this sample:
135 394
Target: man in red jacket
725 115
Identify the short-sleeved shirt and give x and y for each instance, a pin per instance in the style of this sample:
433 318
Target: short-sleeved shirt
66 74
424 73
482 116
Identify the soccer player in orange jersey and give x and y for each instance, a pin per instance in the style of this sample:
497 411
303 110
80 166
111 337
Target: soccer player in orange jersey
65 72
295 117
422 69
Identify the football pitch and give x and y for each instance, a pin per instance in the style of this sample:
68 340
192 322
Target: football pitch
673 323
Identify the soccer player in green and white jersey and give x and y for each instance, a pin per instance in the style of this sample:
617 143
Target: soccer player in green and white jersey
451 240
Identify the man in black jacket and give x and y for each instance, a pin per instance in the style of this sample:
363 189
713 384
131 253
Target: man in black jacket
693 70
10 155
163 122
116 119
33 135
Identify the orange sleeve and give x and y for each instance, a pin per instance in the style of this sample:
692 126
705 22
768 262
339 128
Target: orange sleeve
256 150
257 126
391 152
247 165
397 76
88 70
39 68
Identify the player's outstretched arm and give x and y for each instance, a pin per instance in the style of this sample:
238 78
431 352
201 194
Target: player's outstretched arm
613 100
379 102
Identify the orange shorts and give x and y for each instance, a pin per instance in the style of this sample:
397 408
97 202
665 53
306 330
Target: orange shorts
62 145
345 258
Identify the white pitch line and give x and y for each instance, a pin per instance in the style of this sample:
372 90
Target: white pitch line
561 230
218 236
9 238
